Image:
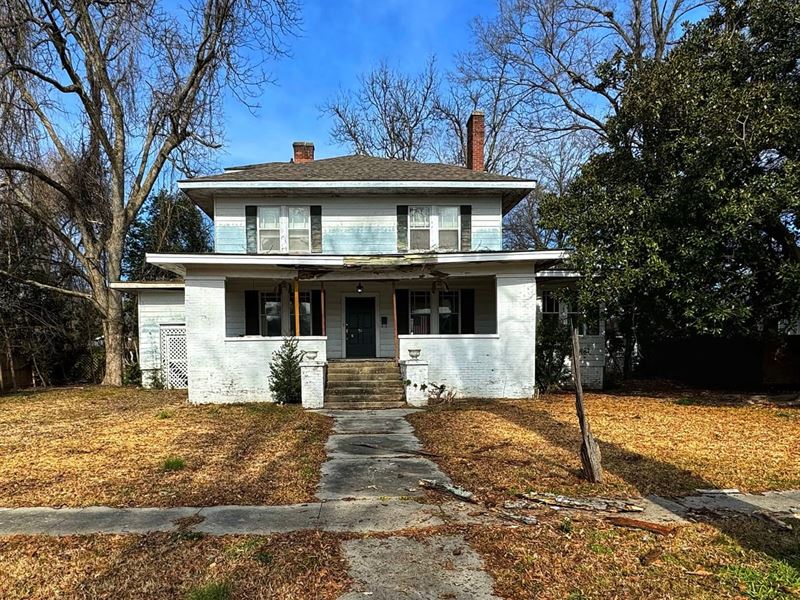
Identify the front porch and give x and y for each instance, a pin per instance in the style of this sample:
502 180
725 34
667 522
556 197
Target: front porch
472 321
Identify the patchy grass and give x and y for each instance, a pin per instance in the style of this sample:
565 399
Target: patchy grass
650 445
734 558
303 565
105 446
173 463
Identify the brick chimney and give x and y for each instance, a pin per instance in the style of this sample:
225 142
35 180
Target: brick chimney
303 152
475 135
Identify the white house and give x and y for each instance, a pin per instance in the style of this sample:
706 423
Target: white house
391 274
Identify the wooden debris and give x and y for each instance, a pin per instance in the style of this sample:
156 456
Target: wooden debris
718 492
700 573
660 528
524 519
770 518
596 504
460 493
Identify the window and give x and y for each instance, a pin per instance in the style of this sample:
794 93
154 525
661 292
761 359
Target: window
448 227
420 312
284 228
553 309
269 228
271 314
299 229
432 227
419 226
449 312
305 313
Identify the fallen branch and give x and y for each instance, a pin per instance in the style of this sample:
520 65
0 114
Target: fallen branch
770 518
460 493
595 504
659 528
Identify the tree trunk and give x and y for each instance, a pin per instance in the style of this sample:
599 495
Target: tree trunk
590 451
114 342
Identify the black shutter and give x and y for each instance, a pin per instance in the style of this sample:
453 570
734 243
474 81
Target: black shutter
251 228
252 325
467 311
316 229
466 228
402 312
316 312
402 228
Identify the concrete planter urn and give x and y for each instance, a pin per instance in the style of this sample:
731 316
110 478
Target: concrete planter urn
414 353
310 354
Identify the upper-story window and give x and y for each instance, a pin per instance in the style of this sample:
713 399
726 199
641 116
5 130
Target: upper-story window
284 229
433 228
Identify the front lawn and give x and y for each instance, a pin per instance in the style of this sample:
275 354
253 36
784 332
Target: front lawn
668 445
133 447
172 565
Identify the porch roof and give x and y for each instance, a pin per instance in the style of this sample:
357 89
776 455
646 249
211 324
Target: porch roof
178 263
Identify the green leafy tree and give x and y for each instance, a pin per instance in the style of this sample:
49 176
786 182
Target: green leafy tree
689 222
284 375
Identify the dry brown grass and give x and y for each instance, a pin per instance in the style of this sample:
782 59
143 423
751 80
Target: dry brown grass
559 559
667 445
88 446
290 566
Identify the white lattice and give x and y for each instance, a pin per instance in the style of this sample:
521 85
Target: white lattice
174 368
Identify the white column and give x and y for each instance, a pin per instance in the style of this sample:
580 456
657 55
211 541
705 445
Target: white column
312 383
415 379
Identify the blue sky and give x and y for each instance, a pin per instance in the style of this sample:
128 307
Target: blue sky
341 39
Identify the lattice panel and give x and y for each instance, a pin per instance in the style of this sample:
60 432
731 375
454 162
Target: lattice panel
174 367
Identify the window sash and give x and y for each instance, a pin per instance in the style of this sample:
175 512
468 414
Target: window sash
419 312
284 229
270 314
449 312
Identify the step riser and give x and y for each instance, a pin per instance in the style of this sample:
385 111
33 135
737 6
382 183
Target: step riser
359 386
363 405
364 398
380 377
357 371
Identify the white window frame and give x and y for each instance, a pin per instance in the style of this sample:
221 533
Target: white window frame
433 226
283 222
261 313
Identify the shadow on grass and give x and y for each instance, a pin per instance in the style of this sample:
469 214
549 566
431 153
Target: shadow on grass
648 476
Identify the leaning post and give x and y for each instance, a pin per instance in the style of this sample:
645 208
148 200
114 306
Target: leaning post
590 451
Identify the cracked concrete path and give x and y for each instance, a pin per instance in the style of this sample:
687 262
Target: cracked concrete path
374 454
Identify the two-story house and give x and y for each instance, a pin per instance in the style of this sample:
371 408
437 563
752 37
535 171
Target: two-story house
361 259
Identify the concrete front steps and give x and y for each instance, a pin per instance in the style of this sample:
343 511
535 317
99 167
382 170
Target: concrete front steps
367 384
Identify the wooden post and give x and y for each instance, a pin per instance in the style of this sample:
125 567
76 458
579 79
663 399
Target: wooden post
323 308
394 323
590 451
297 307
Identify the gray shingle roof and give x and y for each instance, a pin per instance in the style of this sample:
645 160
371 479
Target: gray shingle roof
356 168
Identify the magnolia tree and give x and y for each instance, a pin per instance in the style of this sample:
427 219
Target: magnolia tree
98 98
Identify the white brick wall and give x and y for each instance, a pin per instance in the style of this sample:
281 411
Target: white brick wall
488 366
227 369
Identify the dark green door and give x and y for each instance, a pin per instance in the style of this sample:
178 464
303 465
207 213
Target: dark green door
360 327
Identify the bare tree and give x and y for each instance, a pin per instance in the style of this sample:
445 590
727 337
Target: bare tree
391 114
98 97
554 164
568 59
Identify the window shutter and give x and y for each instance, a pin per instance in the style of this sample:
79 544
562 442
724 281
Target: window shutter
316 310
316 229
466 228
467 311
402 312
251 228
252 318
402 228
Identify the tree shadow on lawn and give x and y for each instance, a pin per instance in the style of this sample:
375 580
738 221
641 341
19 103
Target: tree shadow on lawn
648 476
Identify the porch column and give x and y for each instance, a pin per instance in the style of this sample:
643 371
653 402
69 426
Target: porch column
415 378
297 307
394 323
312 382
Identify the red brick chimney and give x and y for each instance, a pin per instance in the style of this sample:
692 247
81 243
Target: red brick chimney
303 152
475 135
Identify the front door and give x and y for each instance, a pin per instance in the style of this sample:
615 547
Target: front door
359 328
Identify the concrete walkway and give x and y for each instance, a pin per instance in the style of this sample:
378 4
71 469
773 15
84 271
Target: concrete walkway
374 454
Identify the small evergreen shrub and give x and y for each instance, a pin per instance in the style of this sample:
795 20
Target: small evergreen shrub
173 463
284 376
